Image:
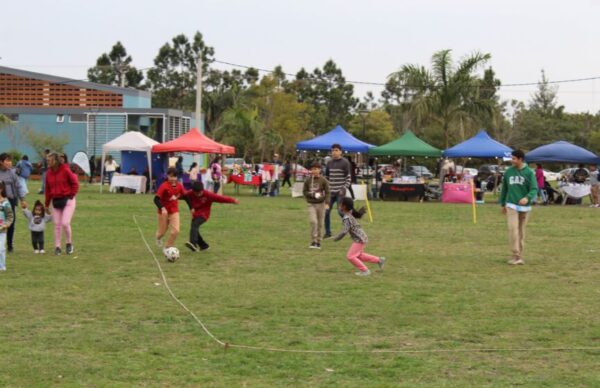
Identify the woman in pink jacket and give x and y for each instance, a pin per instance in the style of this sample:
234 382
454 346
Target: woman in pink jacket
539 176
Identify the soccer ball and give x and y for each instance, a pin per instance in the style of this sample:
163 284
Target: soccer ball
171 254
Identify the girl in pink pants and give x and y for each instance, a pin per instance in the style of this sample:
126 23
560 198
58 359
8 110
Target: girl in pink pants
62 221
356 254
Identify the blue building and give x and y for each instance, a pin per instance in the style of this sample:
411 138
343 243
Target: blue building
88 114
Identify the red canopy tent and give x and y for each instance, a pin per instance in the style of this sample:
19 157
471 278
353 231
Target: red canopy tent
195 142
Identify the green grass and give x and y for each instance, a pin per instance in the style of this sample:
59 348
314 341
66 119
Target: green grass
98 318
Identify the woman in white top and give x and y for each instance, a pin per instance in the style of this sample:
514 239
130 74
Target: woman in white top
110 166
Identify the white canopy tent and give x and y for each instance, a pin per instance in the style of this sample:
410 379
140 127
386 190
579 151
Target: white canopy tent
129 141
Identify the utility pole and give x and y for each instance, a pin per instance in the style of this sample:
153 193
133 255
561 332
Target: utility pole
199 103
199 92
363 115
123 76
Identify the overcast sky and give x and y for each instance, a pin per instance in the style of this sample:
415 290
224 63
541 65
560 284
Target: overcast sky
367 39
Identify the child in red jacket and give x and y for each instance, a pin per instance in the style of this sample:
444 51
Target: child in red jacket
200 201
167 195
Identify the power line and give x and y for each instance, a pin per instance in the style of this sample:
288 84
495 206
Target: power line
312 78
408 86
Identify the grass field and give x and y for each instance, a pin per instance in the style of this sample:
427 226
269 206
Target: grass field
103 316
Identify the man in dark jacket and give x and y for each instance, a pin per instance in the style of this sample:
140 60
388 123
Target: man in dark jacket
338 173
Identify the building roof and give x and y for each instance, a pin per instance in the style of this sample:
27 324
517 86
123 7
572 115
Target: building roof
93 110
74 82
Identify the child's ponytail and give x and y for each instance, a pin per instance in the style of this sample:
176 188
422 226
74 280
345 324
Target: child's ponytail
348 204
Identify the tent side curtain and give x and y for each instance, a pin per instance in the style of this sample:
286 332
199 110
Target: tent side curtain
338 135
407 145
479 146
562 152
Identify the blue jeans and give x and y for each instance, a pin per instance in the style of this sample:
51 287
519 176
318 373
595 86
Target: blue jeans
335 198
2 250
110 175
43 182
542 194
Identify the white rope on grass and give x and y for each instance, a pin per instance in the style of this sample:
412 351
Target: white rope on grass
162 274
227 345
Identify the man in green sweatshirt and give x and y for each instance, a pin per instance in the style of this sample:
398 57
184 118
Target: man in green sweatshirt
519 188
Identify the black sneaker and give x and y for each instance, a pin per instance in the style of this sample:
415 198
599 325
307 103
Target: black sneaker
57 251
318 245
205 248
313 245
192 247
10 249
69 249
328 235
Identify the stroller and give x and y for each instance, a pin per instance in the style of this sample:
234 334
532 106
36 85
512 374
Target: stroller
552 196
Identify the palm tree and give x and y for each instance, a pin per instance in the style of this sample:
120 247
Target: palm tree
240 126
447 94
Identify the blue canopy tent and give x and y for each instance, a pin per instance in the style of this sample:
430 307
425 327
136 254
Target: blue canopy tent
337 135
562 152
479 146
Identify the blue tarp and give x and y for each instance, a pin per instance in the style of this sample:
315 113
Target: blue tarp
337 135
562 152
479 146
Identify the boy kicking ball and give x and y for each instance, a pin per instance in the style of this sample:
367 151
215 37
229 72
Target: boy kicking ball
200 202
166 200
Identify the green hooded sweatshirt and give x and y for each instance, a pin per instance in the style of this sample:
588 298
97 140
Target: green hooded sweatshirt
517 184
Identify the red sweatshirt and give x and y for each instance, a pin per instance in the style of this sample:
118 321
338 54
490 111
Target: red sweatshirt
201 205
60 183
169 195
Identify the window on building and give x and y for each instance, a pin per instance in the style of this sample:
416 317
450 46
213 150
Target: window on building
78 118
60 118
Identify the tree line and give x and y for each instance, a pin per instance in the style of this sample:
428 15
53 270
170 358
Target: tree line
443 102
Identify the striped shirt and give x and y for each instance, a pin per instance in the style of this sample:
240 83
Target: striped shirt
338 175
353 227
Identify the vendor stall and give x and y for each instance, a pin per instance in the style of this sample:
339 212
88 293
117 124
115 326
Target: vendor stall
402 191
561 152
407 145
132 182
574 191
130 142
338 135
457 193
194 142
244 179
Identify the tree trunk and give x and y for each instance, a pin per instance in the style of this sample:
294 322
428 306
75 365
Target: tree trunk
446 134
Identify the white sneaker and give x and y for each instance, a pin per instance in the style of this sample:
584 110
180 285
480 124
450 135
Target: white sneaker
381 262
517 262
363 273
36 251
42 251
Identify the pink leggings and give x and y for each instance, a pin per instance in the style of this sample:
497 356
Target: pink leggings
357 256
62 220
